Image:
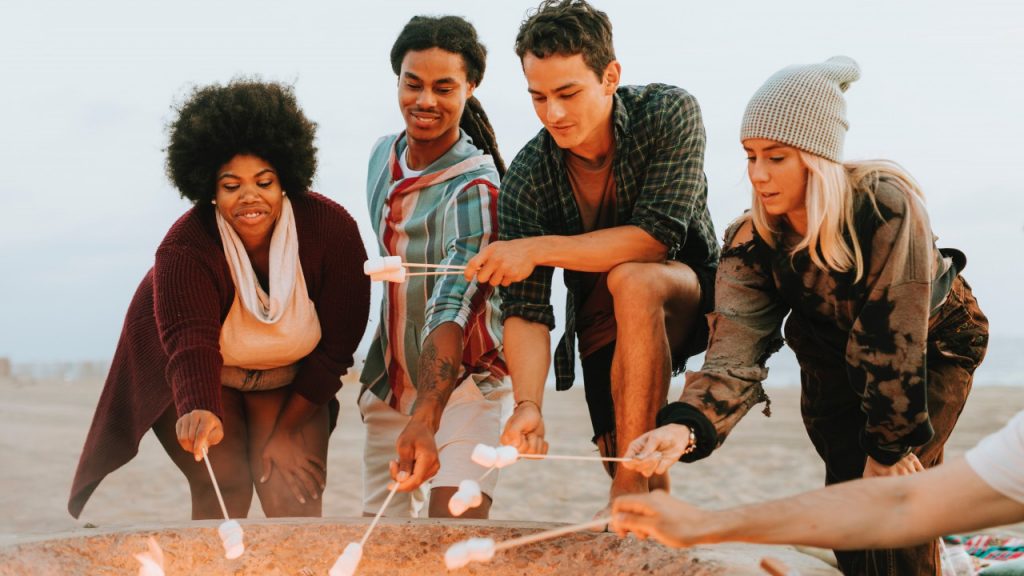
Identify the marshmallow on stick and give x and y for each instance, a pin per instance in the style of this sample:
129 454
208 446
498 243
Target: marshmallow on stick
348 561
483 549
385 265
230 530
467 496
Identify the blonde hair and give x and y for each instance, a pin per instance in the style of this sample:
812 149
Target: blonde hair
829 204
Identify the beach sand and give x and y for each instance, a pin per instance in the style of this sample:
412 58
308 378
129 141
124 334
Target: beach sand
43 425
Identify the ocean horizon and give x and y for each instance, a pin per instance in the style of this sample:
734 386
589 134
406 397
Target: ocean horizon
1003 366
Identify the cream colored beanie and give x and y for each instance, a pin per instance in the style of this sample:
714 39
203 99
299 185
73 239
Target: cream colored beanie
803 106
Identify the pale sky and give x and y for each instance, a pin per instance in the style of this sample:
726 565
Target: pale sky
86 90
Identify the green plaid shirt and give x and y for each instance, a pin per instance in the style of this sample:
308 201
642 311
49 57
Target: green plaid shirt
660 187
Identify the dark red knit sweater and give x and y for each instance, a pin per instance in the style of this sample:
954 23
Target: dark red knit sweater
169 346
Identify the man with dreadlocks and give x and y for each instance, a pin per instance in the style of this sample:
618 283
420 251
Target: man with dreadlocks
433 381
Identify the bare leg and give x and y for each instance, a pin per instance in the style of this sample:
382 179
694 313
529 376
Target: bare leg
656 307
276 497
230 461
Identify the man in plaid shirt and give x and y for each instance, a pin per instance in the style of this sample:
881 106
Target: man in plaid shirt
613 191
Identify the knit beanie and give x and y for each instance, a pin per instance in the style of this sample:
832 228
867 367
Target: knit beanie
803 106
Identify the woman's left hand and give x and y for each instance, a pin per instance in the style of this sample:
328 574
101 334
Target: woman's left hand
907 465
304 473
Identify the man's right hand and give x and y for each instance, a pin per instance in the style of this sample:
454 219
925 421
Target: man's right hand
417 455
197 430
660 516
525 430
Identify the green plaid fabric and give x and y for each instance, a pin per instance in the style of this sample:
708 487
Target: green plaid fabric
660 187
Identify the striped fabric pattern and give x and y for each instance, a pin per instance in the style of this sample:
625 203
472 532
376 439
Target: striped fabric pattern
444 216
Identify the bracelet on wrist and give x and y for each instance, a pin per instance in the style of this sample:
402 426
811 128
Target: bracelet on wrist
534 402
691 442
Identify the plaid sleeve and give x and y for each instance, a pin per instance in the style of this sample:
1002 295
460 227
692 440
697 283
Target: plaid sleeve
519 216
675 185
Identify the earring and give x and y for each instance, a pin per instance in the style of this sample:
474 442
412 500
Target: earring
214 202
283 193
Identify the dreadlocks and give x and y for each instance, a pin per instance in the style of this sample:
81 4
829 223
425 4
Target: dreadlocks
456 35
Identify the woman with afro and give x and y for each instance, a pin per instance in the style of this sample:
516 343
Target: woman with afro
236 339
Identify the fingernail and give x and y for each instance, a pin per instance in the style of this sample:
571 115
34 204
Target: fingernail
316 496
302 500
402 476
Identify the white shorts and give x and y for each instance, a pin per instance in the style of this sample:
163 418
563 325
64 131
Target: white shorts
468 419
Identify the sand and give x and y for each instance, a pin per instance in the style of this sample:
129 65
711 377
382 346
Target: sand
43 425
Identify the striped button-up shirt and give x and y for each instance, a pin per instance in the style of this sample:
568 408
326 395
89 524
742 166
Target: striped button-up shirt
443 216
660 185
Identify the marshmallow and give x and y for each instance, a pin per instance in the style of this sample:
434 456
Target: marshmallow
480 549
507 455
456 556
347 563
484 455
231 536
471 492
378 265
467 496
396 276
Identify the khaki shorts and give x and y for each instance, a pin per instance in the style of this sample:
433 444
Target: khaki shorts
469 418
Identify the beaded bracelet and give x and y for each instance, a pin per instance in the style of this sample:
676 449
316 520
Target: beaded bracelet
691 442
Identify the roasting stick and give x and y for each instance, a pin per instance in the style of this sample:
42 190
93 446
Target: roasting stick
436 273
419 265
566 457
216 487
348 561
553 533
483 549
230 531
383 507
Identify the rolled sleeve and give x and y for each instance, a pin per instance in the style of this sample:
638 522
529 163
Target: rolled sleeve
470 224
519 216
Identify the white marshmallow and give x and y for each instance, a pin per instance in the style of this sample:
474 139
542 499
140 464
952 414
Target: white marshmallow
480 549
231 536
386 264
396 276
456 556
484 455
471 492
348 561
457 505
507 455
467 496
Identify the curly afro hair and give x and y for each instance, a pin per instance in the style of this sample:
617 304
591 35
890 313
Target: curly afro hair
216 123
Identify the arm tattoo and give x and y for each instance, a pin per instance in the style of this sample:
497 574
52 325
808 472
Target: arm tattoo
436 374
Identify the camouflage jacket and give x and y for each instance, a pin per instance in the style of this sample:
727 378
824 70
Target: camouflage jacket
879 323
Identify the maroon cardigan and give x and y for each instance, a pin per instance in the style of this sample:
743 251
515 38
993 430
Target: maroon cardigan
169 347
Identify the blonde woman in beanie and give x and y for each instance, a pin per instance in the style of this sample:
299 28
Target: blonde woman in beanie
886 331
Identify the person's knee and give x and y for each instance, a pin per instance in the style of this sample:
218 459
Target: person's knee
637 284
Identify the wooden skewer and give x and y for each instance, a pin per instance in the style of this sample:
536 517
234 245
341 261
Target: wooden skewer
216 488
564 457
775 567
548 534
369 529
419 265
436 273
